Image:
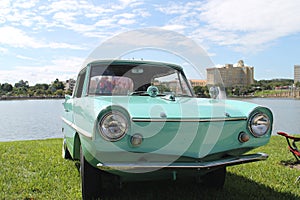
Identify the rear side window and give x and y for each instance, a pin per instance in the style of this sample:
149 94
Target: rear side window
80 83
110 80
110 85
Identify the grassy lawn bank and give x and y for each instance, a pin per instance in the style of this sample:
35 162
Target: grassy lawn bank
35 170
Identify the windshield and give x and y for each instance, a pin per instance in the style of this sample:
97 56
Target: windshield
133 80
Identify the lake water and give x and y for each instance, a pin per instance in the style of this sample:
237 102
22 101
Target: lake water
286 113
41 119
30 119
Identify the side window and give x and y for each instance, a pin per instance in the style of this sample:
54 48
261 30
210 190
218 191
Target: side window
80 83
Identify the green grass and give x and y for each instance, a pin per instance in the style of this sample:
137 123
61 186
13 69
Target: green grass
35 170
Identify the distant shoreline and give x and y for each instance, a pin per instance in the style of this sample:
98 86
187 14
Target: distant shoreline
7 98
263 97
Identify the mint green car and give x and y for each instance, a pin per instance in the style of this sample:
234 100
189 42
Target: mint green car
131 120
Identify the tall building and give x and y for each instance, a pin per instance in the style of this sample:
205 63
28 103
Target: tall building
231 76
195 82
296 73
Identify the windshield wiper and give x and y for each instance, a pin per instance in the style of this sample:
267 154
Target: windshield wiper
183 95
141 93
144 93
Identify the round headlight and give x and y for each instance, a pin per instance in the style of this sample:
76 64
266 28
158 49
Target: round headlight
113 126
259 124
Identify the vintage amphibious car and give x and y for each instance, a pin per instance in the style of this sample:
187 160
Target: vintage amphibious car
130 120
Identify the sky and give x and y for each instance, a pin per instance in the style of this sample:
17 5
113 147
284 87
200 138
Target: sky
41 40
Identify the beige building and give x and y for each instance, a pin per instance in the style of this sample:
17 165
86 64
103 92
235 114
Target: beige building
296 73
70 84
231 76
195 82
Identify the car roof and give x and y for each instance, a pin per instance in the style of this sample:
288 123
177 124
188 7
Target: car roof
135 62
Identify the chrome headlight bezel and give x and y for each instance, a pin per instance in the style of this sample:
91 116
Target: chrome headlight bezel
113 126
259 124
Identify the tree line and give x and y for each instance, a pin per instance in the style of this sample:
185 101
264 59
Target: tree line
57 88
22 88
258 86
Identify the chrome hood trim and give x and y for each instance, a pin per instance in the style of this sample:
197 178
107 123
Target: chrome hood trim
187 119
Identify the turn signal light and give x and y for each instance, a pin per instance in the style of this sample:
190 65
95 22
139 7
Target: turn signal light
244 137
136 140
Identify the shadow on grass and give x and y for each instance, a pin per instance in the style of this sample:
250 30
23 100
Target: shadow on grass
291 163
236 187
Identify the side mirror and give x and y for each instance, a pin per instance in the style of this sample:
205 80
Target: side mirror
65 104
152 91
67 97
214 92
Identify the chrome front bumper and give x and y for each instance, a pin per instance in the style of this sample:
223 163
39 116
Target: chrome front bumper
182 165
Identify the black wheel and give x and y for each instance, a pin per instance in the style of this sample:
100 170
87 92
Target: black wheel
91 186
214 179
65 151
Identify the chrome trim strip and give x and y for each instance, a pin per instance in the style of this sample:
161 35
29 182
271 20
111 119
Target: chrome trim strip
195 165
79 130
67 121
187 119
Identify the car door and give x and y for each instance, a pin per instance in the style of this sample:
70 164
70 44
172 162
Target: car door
81 105
69 124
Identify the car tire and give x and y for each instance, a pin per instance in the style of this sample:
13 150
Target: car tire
91 184
65 151
215 179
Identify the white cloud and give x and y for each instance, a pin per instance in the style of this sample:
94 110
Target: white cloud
61 45
25 3
257 21
126 21
25 57
107 22
69 64
83 17
174 27
180 8
5 6
63 5
3 50
65 17
17 38
4 3
130 3
142 12
248 25
62 69
126 15
88 17
20 13
252 15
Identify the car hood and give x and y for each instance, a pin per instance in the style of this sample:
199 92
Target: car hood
141 107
